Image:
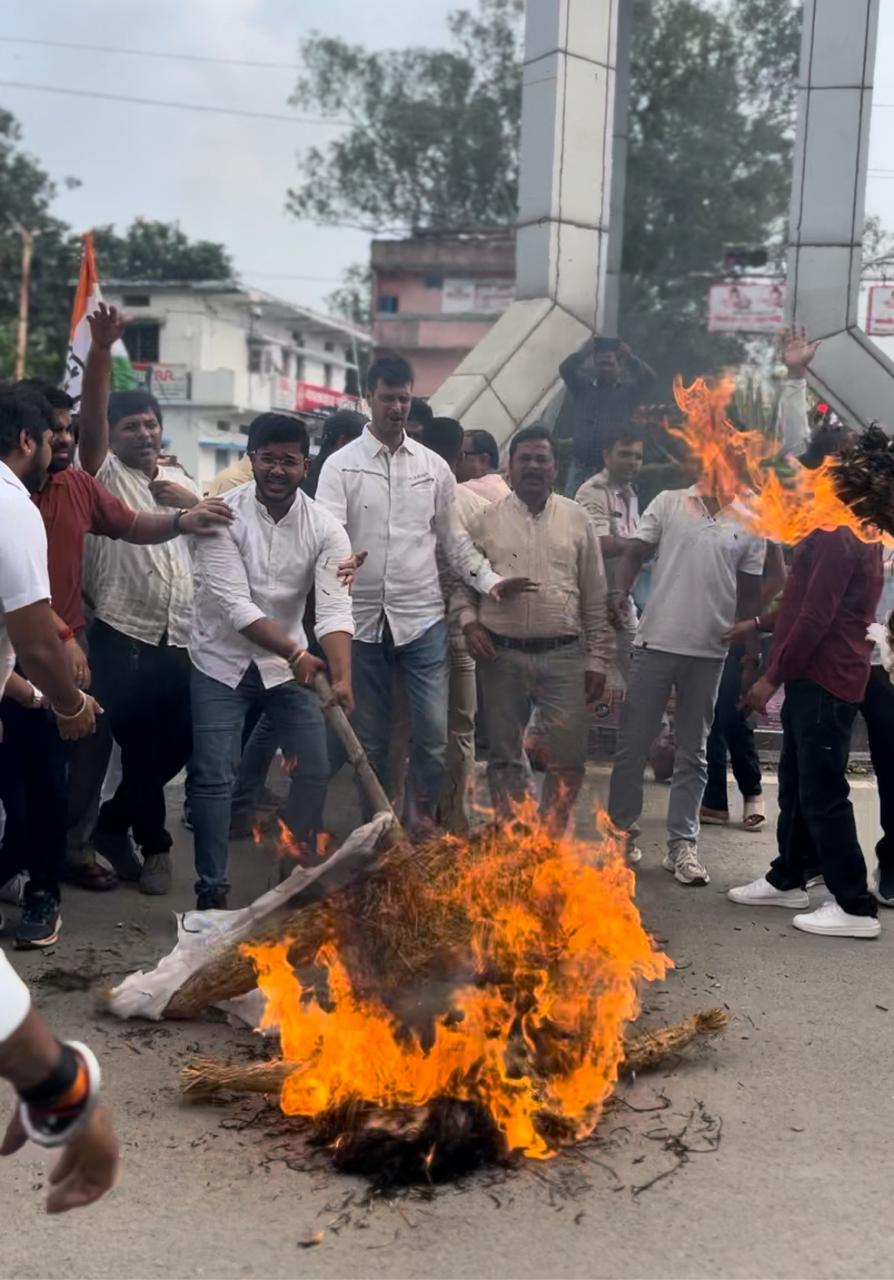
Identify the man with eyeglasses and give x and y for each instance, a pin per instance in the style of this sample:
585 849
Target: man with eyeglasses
249 648
478 468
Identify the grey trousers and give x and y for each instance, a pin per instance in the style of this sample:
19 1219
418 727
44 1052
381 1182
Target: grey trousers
654 675
459 764
514 685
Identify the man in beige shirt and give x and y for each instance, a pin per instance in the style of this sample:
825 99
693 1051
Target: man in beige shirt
231 477
548 649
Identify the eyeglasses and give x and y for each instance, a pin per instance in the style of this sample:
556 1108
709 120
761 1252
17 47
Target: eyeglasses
289 462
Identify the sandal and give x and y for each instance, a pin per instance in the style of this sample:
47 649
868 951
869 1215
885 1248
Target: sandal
714 817
90 875
754 815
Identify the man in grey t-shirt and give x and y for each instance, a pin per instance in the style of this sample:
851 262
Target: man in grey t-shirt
706 575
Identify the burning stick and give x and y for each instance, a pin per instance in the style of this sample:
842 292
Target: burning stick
205 1077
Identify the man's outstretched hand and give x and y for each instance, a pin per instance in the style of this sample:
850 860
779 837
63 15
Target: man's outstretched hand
107 325
797 351
87 1167
509 587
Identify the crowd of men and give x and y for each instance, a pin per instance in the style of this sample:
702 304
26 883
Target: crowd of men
448 603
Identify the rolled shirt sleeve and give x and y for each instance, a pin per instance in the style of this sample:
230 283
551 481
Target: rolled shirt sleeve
470 564
652 520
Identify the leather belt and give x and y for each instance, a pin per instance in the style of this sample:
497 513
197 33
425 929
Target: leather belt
534 645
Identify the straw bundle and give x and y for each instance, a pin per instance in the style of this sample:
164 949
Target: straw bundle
204 1077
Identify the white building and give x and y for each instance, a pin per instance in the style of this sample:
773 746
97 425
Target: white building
217 354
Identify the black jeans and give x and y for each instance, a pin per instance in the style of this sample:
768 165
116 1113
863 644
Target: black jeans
878 711
144 689
816 826
731 731
33 788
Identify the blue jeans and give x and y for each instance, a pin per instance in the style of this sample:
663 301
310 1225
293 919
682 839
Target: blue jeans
218 714
424 666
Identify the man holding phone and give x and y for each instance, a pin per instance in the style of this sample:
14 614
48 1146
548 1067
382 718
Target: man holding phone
606 381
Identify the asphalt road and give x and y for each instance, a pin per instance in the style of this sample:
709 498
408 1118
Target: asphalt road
773 1138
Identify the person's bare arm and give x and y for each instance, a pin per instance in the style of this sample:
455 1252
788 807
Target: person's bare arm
20 690
150 528
35 637
773 578
29 1056
107 325
634 555
748 605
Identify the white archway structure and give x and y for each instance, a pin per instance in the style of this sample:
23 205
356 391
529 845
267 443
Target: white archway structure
576 55
828 205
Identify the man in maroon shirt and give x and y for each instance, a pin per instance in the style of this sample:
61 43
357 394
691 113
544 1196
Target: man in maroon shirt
821 655
72 504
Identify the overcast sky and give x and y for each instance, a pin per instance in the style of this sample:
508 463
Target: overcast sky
221 177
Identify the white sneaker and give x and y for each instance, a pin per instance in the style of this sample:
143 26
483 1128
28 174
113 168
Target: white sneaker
634 855
682 861
830 921
814 882
760 893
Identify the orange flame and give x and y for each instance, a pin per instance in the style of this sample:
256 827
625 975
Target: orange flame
558 950
736 464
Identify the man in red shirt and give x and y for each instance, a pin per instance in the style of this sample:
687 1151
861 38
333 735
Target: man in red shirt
821 654
35 760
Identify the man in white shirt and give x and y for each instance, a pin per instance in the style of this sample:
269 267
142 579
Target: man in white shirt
610 501
248 645
706 575
142 604
397 500
30 631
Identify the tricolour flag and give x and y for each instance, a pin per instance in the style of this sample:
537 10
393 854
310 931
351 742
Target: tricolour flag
87 297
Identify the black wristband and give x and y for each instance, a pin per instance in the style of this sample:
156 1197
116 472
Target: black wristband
57 1083
178 516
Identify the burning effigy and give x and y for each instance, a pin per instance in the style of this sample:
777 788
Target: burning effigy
446 1004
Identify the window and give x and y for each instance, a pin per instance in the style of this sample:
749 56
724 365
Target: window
141 341
389 304
223 426
349 356
299 369
298 337
328 346
255 357
221 459
434 282
136 300
327 375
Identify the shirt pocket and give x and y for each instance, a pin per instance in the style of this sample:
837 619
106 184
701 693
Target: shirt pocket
420 503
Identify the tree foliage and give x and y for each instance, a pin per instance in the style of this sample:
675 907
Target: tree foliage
432 138
432 142
147 251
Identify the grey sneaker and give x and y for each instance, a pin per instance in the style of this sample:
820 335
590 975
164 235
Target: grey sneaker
120 852
157 874
682 861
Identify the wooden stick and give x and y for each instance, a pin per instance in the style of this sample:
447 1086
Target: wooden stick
359 761
203 1077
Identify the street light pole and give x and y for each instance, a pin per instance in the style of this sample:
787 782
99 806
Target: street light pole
24 299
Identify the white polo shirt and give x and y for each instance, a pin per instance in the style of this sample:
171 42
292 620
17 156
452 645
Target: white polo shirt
693 596
24 578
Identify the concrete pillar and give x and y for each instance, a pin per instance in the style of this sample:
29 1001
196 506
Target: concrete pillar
565 195
610 297
828 205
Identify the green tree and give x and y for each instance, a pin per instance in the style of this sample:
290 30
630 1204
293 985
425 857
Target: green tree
433 143
146 251
151 250
352 300
26 196
433 133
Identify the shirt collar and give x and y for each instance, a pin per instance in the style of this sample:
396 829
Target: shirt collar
8 476
525 509
374 446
